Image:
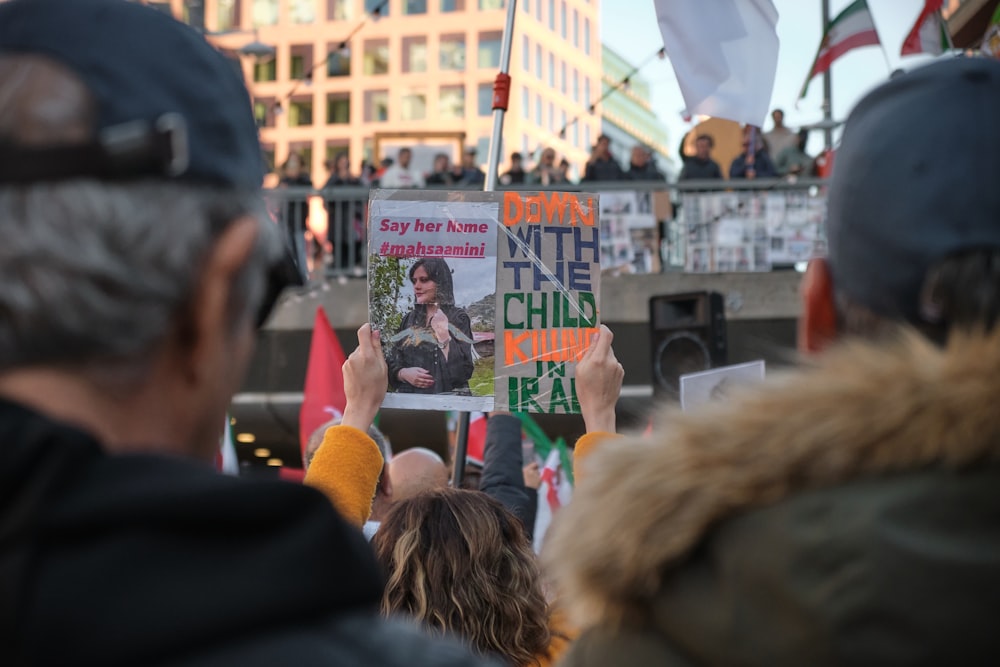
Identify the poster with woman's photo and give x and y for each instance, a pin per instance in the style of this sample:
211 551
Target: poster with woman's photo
431 287
483 300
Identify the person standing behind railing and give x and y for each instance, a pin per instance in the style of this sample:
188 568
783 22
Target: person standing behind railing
755 163
602 165
701 165
295 208
346 222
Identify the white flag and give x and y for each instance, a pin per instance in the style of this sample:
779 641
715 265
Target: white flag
724 53
554 492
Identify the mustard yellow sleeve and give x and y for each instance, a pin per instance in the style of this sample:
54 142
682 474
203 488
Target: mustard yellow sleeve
587 443
346 468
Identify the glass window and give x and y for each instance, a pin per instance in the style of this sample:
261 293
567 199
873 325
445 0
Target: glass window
414 54
453 52
586 138
562 77
452 6
267 150
552 117
489 49
525 103
552 70
263 111
576 135
227 16
586 91
552 14
586 36
339 62
300 113
562 19
413 105
485 99
538 111
526 6
376 106
576 28
414 6
338 108
576 85
490 4
338 10
562 123
265 12
538 61
382 5
526 53
297 70
451 102
302 11
265 71
376 60
538 11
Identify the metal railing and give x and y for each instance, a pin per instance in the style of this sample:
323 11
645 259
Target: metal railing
692 226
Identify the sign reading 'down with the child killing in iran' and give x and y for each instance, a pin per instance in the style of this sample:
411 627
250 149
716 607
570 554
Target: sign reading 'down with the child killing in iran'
484 300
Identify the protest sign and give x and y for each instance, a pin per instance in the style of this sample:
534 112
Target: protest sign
485 300
705 386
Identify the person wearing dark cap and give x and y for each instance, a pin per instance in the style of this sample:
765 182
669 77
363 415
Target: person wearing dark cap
135 259
845 513
516 174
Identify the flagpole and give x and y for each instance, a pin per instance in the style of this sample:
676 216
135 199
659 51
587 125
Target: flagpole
827 86
501 95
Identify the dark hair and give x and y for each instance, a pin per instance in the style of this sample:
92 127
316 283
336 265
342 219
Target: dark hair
960 293
515 156
439 273
404 150
706 137
459 562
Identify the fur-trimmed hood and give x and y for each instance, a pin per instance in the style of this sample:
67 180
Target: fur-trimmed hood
645 506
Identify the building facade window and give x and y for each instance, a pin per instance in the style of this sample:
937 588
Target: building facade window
485 99
552 70
490 4
576 29
452 6
586 36
415 54
338 108
552 15
227 15
451 102
370 6
376 58
562 20
538 61
525 53
576 85
552 117
586 138
302 11
414 7
562 77
489 49
576 135
263 111
339 61
586 90
376 106
301 61
265 71
526 6
413 105
453 52
265 12
525 103
538 111
300 112
338 10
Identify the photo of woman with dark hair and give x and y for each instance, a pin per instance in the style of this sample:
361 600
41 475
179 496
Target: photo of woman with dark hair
432 350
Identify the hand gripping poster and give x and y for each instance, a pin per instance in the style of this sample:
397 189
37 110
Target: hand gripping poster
484 300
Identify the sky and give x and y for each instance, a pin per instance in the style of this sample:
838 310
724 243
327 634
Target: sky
630 28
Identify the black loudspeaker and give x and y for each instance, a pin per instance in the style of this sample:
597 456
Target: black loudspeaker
687 334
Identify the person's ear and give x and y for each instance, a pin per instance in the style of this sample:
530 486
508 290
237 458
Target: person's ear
385 483
818 323
209 318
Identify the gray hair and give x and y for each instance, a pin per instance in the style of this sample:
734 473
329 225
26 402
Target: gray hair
95 275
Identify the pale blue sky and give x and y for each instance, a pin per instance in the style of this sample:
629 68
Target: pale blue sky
629 27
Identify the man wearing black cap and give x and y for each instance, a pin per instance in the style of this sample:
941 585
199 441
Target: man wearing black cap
847 513
133 260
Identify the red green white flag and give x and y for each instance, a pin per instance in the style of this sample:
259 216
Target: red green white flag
850 29
928 33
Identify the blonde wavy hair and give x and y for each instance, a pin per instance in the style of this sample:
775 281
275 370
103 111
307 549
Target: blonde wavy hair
460 563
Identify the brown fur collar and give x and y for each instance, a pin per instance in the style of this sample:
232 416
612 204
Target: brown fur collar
862 409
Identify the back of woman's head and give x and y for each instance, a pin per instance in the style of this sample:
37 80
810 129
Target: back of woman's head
461 564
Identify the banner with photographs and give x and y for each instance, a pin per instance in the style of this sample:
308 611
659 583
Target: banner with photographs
484 300
751 230
629 233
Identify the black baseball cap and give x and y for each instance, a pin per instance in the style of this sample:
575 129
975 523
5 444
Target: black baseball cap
168 103
916 178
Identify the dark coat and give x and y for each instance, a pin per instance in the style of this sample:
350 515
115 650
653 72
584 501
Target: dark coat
503 470
844 515
414 345
142 560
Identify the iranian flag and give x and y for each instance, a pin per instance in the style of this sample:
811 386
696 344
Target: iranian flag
928 34
851 29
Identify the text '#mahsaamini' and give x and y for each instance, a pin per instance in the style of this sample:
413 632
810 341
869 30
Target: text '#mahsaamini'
548 272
